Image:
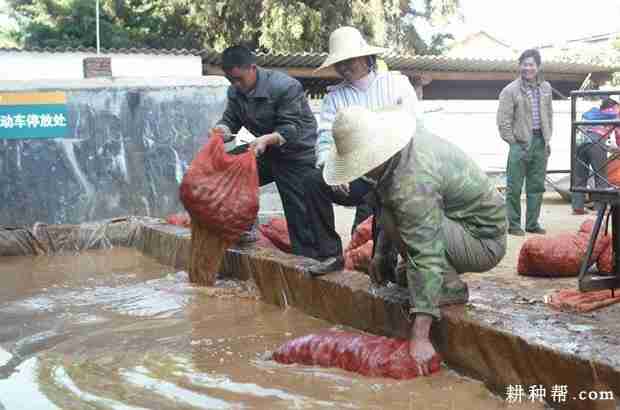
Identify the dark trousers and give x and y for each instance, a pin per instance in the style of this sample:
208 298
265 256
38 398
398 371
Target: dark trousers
288 176
589 155
319 199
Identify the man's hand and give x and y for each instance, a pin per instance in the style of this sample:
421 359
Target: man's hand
343 189
260 144
420 348
227 135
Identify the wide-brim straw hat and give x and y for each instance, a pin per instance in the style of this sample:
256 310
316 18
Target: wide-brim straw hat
364 140
346 43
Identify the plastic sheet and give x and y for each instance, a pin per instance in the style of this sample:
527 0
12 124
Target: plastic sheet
375 356
43 239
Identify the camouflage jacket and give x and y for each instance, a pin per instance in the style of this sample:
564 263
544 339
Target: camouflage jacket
431 179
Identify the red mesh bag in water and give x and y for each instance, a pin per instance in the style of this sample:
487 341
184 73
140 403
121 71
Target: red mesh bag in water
221 190
276 230
557 256
374 356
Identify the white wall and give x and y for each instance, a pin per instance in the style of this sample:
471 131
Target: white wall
37 66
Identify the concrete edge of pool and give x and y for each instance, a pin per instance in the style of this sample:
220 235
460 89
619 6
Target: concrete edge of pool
492 338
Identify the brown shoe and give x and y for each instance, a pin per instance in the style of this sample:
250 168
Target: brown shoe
580 211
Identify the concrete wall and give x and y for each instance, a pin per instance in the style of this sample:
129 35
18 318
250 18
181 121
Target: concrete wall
22 66
130 142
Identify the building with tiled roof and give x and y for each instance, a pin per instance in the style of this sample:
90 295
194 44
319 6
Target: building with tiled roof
438 77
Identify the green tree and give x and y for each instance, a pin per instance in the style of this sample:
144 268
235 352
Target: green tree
274 25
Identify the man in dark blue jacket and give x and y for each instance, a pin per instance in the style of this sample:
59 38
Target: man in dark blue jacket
272 106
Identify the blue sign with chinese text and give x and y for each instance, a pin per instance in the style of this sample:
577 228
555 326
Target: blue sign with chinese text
33 115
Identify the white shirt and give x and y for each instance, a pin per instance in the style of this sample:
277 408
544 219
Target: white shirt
383 90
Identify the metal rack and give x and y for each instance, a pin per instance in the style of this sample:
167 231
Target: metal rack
606 194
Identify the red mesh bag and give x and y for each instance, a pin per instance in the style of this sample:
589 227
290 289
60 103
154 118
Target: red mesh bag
613 172
361 235
374 356
605 260
276 231
587 226
572 300
359 258
557 256
358 253
180 219
221 190
264 242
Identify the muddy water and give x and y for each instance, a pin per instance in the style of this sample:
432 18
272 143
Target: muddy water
113 329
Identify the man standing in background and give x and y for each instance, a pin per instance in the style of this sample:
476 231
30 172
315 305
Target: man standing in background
525 122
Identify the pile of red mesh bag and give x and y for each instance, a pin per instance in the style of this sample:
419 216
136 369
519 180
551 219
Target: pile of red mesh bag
559 255
368 355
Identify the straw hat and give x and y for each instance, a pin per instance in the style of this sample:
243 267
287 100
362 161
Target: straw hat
346 43
365 139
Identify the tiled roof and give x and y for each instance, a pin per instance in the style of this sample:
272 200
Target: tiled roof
559 64
133 50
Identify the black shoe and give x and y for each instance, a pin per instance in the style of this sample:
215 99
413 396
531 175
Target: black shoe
516 231
539 231
329 265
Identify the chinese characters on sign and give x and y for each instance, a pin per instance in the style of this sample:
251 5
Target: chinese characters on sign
32 120
33 115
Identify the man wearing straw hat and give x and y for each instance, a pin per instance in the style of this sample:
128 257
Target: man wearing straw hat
364 85
436 203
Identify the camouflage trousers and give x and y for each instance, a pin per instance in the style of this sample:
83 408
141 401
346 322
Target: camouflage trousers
465 253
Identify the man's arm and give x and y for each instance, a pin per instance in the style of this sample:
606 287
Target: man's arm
418 220
419 223
505 114
550 108
325 139
231 119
